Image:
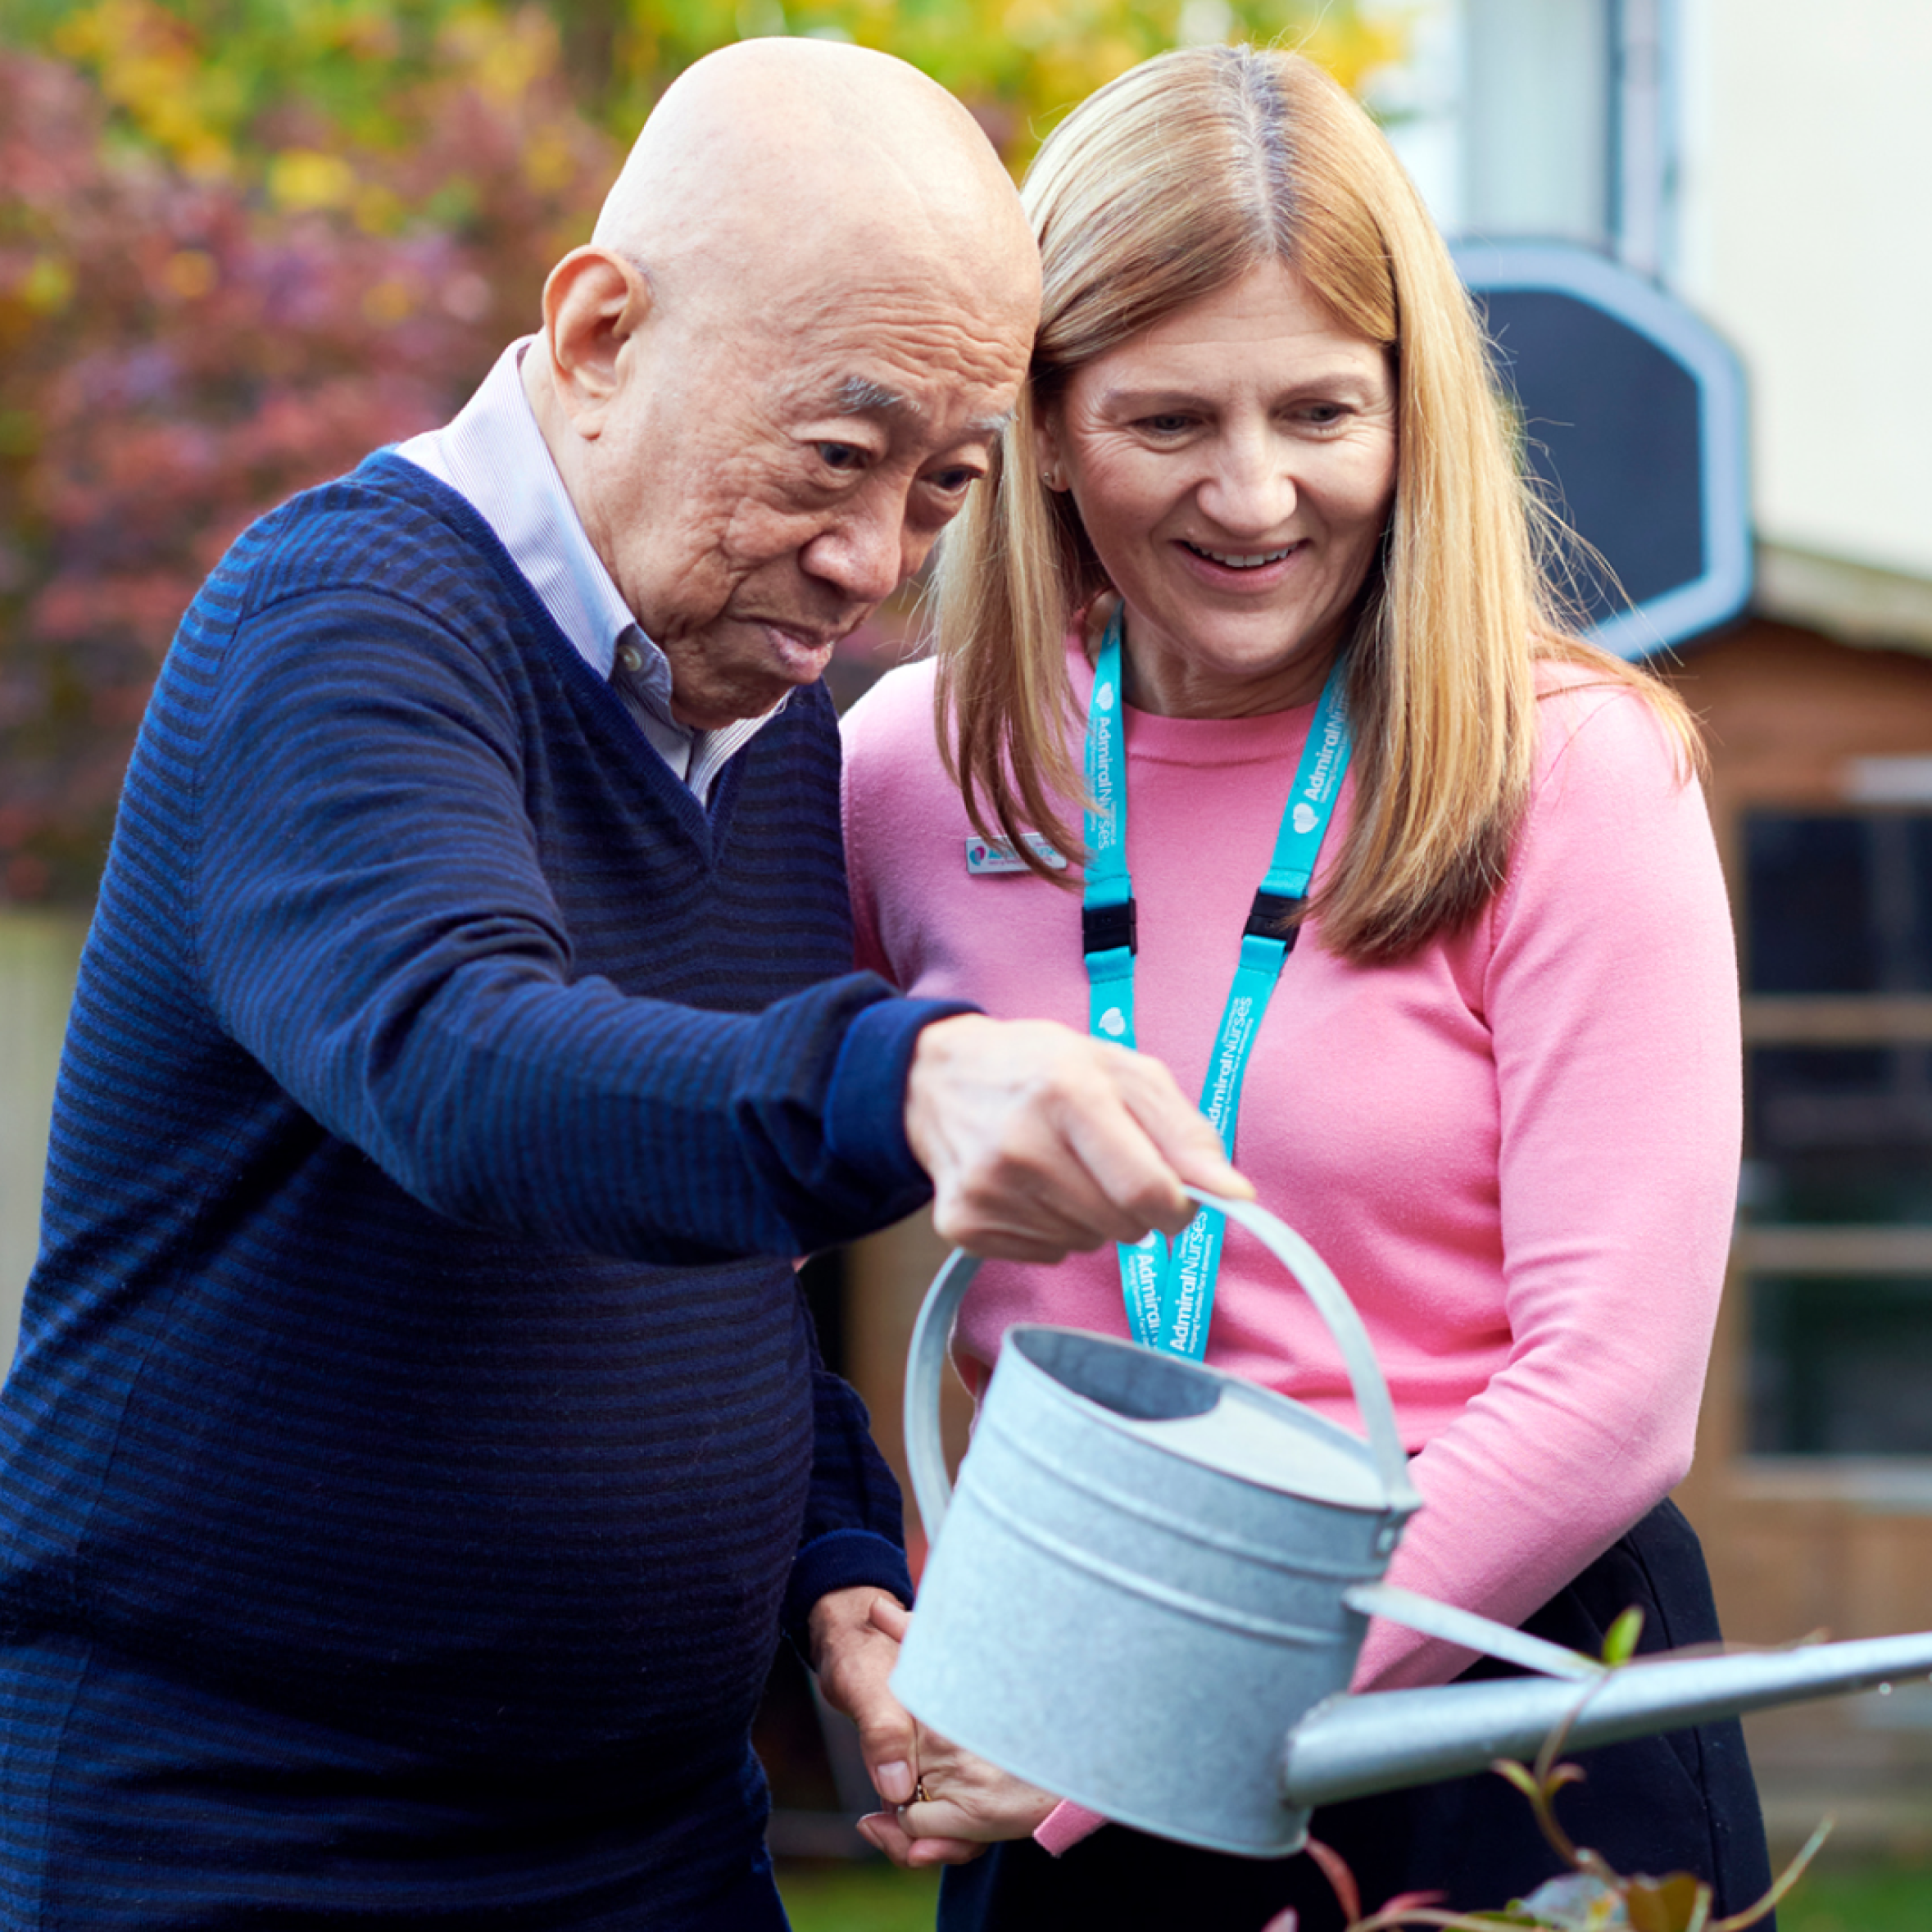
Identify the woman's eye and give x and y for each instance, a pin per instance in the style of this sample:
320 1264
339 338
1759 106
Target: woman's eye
1166 424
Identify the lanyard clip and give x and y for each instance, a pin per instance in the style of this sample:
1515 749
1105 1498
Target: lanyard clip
1269 916
1108 928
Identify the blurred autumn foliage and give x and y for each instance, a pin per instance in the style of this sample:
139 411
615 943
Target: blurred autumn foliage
208 300
244 242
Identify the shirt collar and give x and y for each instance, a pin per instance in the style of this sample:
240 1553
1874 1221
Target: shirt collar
493 454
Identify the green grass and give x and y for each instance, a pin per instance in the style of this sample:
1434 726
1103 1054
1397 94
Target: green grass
878 1898
1886 1900
859 1898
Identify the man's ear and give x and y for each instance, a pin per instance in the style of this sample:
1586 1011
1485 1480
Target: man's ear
593 302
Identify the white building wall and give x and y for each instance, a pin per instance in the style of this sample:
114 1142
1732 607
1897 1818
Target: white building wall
1773 164
1805 234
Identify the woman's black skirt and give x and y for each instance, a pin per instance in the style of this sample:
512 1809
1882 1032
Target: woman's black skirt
1684 1801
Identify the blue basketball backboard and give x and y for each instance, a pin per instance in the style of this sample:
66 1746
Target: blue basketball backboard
1633 419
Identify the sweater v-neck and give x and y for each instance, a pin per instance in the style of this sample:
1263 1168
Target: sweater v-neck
707 825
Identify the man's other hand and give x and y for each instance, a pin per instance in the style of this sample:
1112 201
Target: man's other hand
853 1653
960 1803
1040 1140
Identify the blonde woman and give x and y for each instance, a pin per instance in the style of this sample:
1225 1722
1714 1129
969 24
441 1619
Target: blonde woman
1246 642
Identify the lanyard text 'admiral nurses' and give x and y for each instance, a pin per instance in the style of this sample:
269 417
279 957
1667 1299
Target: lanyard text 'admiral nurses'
1169 1289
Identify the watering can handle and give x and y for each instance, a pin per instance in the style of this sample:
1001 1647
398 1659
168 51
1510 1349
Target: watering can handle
933 1331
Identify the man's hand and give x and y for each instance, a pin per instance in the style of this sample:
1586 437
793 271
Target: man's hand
960 1803
1040 1140
853 1653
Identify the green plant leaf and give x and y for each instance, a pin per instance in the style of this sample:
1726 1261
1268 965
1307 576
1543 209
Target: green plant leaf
1620 1642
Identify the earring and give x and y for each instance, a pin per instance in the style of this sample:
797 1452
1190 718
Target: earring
1050 478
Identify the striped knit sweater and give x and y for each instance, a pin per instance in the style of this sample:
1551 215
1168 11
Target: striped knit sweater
416 1433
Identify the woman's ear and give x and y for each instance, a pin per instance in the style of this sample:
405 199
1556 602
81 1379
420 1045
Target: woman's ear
1046 449
593 303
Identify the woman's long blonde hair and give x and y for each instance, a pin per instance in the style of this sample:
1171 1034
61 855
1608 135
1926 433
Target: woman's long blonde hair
1172 183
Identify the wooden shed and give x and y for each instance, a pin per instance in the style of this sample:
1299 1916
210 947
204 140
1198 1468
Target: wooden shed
1812 1488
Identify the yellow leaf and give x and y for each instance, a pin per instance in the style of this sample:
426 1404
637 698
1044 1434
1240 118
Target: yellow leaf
379 210
300 178
548 163
1662 1904
48 285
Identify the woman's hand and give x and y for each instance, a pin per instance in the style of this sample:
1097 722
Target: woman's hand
960 1804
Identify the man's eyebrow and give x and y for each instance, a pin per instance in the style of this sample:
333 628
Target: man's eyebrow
861 396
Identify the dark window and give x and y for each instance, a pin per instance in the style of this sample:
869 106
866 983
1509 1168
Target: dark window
1841 1365
1839 904
1837 1195
1839 1134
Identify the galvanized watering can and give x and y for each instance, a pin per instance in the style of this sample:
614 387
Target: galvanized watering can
1154 1580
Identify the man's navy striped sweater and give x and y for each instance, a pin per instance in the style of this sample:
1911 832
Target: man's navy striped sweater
405 1468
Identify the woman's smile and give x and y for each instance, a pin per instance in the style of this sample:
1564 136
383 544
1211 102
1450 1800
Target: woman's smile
1240 563
1260 570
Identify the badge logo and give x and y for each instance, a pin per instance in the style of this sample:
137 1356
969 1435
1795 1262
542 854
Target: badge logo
1113 1022
1304 819
994 856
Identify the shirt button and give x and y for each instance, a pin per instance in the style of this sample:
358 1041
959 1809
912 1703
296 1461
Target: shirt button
631 658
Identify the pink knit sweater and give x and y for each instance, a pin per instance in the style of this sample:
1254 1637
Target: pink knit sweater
1517 1148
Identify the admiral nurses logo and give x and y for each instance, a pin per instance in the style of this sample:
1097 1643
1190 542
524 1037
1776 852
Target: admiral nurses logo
994 855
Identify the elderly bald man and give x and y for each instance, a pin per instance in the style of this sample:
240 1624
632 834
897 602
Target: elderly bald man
416 1440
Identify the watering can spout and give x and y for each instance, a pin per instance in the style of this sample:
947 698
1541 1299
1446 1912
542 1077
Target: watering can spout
1349 1747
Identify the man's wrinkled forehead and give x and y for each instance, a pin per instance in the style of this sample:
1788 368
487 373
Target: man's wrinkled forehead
867 396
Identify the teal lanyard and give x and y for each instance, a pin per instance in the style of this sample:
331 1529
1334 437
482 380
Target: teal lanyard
1169 1288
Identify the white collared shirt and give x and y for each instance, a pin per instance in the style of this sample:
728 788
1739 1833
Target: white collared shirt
493 455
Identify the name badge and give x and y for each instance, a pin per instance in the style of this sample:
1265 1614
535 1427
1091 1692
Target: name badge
990 855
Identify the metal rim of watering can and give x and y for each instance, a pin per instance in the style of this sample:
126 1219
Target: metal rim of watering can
933 1334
